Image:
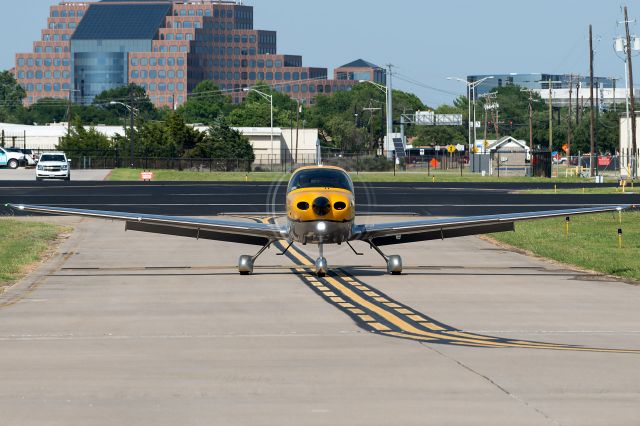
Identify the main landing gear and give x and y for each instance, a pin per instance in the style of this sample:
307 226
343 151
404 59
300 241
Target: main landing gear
394 262
245 264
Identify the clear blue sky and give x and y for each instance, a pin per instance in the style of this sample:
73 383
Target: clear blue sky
426 40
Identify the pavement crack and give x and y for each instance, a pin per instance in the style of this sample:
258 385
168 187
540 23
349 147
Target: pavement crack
494 384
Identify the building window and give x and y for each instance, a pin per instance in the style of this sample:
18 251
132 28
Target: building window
152 87
192 12
296 76
180 61
56 87
183 12
57 74
72 25
29 74
38 87
207 12
189 36
162 87
144 74
47 87
162 74
57 62
180 74
183 48
312 88
180 87
39 75
134 74
65 74
304 76
187 24
20 74
171 74
134 62
21 62
153 74
173 49
171 87
80 14
55 14
287 76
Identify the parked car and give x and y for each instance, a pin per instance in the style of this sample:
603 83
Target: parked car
29 160
53 165
11 159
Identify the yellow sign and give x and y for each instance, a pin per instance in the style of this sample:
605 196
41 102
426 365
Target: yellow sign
475 150
486 144
451 149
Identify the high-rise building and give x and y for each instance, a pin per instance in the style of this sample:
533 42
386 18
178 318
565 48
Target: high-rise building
168 47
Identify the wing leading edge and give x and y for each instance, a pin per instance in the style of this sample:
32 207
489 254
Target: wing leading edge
220 230
436 229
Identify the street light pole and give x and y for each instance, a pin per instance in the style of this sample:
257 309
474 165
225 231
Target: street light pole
270 99
471 98
132 111
388 91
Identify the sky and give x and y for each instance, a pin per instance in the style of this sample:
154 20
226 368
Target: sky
427 41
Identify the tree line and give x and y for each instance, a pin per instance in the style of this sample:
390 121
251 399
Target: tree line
349 121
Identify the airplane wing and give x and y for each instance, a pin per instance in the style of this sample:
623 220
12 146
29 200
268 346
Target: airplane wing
207 229
436 229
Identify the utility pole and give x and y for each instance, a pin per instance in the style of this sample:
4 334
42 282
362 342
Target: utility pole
550 115
592 118
634 147
615 107
132 136
298 127
389 106
569 122
578 101
530 117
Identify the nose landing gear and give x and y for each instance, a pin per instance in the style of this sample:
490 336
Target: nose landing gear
321 263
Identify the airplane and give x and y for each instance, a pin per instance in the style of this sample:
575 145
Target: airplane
321 210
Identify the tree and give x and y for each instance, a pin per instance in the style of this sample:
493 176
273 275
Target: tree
82 142
223 142
206 104
11 96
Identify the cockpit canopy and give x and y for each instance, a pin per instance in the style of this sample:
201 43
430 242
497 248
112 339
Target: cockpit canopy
320 178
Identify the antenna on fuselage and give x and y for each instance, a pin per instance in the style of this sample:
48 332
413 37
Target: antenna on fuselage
318 153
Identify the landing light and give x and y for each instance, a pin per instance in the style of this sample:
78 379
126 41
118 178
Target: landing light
321 226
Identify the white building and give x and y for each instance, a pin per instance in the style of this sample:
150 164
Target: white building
283 149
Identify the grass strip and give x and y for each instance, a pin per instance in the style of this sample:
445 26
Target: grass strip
24 244
592 242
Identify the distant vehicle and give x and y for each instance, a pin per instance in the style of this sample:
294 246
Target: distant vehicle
53 165
562 160
29 159
11 159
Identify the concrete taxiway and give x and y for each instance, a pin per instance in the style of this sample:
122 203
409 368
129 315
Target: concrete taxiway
129 328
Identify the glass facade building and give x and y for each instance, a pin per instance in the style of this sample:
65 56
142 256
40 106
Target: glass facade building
535 81
168 47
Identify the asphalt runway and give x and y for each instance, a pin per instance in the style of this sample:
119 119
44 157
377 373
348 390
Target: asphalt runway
132 328
209 199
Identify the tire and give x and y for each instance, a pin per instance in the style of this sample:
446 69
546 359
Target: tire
13 164
68 178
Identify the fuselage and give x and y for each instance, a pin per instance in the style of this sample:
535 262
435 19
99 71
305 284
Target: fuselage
320 206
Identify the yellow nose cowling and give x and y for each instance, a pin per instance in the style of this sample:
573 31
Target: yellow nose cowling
313 204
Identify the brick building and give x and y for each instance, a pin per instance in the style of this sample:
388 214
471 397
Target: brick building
168 47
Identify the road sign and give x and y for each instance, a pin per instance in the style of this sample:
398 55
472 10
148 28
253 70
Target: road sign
460 147
451 149
438 148
486 144
434 163
565 147
146 176
475 150
422 153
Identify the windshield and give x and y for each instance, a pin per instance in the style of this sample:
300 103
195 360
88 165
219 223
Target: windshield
53 157
320 178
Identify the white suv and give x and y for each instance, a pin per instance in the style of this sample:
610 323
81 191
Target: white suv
11 159
53 165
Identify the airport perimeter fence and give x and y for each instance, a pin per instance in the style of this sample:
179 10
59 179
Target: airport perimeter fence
431 162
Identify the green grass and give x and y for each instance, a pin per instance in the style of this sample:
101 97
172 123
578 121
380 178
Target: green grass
23 244
592 243
413 176
590 190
